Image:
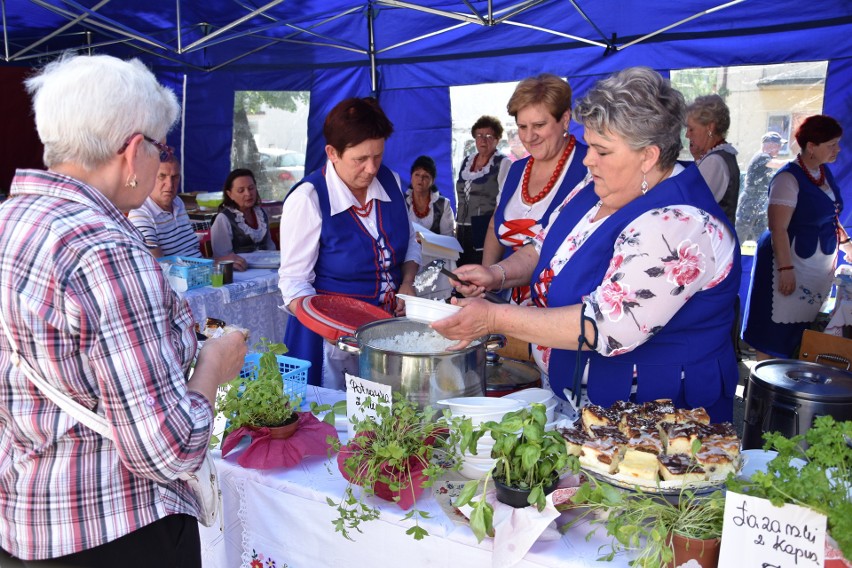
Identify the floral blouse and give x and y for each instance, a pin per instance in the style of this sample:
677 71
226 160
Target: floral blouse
659 261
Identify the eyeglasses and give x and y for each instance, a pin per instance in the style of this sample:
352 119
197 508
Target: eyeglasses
488 137
166 152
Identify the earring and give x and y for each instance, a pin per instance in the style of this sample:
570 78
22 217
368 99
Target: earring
132 181
565 135
644 184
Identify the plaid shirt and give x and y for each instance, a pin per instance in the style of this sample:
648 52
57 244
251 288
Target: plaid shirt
91 312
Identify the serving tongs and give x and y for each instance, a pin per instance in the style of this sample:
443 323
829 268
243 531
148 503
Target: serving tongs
490 296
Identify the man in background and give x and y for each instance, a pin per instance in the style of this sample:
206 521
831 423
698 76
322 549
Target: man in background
163 220
754 197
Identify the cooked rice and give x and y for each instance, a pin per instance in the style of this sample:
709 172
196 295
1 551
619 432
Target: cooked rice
413 342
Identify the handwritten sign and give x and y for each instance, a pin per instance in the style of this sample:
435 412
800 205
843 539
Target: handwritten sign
358 390
757 534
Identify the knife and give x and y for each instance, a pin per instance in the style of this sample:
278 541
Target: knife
490 296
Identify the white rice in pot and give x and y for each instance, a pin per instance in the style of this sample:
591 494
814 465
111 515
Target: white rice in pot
413 342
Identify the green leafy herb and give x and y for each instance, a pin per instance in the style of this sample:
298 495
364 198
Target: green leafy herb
400 438
823 483
258 402
530 460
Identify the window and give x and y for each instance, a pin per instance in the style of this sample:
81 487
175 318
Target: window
270 138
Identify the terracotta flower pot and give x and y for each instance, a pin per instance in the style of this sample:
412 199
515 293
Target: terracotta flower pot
284 431
686 549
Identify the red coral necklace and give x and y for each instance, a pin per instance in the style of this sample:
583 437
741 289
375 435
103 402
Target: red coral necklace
420 214
525 182
365 210
815 181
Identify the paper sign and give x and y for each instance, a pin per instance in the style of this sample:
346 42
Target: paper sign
757 534
358 390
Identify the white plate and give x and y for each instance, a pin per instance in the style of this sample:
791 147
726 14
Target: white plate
262 258
757 460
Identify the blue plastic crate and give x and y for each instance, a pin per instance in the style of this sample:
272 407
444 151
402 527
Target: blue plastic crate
294 372
196 272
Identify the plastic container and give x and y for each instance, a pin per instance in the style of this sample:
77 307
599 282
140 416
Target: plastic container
425 310
294 373
185 273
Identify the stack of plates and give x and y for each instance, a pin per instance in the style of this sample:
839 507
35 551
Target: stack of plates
541 396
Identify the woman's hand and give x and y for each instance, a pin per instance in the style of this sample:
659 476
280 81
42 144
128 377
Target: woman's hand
219 361
472 322
479 277
240 264
407 289
787 282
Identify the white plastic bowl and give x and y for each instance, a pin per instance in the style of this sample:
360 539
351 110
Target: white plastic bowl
473 405
426 310
473 470
541 396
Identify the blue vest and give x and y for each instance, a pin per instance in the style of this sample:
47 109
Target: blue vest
814 219
348 262
696 341
575 174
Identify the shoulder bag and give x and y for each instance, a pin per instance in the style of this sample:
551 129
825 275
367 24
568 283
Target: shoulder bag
204 482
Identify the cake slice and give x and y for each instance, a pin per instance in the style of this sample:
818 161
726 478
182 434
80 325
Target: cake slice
660 410
574 439
698 415
717 464
600 454
678 467
678 438
594 415
639 465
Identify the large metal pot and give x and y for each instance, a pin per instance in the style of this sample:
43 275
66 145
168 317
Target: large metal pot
423 378
787 395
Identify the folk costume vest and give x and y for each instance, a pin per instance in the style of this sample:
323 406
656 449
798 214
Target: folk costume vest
349 262
241 241
728 202
695 344
814 220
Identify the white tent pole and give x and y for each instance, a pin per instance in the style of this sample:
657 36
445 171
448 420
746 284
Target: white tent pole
683 21
233 24
5 31
56 32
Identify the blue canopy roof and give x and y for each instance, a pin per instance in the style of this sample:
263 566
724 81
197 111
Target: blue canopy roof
410 52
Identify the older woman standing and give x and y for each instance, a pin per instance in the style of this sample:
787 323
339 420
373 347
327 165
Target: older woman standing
795 259
345 231
480 178
707 123
641 264
537 184
90 311
241 225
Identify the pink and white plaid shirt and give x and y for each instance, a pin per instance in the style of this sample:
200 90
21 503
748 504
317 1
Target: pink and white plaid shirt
91 312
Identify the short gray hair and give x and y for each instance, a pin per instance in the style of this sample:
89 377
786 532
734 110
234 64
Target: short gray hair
711 108
86 107
640 105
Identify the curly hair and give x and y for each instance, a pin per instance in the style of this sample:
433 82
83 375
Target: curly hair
640 105
711 108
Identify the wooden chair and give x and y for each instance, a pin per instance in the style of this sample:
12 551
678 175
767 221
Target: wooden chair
826 349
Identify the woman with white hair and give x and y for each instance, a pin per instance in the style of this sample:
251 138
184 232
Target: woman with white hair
635 273
86 306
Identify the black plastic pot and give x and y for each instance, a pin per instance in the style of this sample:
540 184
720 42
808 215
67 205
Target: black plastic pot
518 498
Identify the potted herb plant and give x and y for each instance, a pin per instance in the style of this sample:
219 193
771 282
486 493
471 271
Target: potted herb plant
529 463
823 482
392 456
260 402
660 531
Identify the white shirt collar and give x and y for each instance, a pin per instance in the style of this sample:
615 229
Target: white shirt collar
340 198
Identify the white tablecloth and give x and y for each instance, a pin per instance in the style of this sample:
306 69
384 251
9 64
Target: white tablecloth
252 301
281 518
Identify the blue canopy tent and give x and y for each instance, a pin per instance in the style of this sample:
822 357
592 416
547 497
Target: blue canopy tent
409 53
